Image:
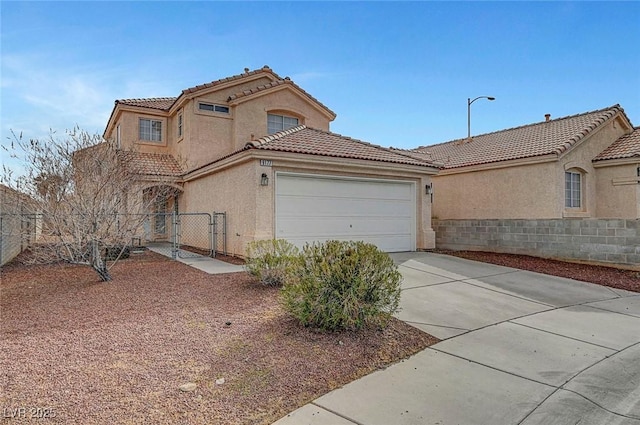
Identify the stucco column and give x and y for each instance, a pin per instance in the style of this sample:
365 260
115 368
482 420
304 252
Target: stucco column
426 234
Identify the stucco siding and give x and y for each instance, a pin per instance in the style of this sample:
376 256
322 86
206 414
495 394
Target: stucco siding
524 191
581 157
618 191
233 190
251 116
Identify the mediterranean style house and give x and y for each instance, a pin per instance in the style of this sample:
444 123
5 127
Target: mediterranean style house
258 147
566 187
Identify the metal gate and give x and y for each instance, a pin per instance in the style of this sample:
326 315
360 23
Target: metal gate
186 235
193 235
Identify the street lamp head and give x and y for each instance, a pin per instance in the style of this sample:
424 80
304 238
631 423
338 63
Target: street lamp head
469 102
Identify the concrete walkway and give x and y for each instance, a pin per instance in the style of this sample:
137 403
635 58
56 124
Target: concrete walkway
518 348
200 262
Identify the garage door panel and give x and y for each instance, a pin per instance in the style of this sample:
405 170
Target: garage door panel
391 243
335 188
295 206
319 208
327 226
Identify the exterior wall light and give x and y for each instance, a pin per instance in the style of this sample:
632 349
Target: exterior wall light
264 180
428 189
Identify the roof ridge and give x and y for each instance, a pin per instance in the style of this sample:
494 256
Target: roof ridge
146 99
276 83
616 106
246 73
275 136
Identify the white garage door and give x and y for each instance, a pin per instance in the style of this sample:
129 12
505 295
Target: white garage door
317 208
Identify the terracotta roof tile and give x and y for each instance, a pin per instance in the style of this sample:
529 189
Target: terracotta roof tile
547 137
311 141
165 103
628 146
232 78
153 164
277 83
162 103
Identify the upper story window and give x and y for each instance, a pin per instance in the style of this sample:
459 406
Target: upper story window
277 123
180 125
118 140
213 108
572 189
150 130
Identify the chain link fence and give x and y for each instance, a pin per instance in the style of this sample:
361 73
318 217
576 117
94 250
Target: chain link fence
176 235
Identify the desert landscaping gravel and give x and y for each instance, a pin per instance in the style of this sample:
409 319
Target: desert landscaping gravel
164 343
615 277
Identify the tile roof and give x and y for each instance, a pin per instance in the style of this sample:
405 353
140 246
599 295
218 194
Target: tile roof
232 78
165 103
628 146
277 83
538 139
152 164
162 103
311 141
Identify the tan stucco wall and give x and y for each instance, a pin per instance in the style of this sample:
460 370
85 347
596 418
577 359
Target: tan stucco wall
251 116
581 157
525 191
523 188
251 208
208 136
235 191
618 191
129 131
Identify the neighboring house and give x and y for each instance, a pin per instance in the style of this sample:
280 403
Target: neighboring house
258 147
505 190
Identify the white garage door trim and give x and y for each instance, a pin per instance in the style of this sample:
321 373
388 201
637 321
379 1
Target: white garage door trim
318 207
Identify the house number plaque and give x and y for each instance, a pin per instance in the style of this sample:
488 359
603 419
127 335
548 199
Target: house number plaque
266 162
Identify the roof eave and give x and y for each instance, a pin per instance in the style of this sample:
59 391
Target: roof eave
611 162
289 86
532 160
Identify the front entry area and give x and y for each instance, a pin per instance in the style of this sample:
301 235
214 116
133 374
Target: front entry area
313 208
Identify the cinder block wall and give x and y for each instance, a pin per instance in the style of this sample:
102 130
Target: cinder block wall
602 240
10 238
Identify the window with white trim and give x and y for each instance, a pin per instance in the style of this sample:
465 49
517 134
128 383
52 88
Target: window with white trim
572 189
211 107
277 123
150 130
180 125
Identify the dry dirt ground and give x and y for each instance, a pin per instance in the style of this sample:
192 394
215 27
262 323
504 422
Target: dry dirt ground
601 275
79 351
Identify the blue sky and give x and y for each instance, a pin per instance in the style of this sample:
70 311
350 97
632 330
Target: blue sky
396 73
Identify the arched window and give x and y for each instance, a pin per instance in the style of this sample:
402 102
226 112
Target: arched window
573 188
277 122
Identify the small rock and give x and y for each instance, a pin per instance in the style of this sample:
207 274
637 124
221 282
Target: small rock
340 343
227 324
219 381
188 387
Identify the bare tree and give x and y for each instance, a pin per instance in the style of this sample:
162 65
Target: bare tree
88 193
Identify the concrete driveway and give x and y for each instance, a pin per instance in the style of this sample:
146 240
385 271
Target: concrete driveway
518 348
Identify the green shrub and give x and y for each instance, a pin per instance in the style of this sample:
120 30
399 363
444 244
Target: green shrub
271 261
343 286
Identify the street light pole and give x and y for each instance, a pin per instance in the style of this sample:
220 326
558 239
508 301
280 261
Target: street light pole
469 102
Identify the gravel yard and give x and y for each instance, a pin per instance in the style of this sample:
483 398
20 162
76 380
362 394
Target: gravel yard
598 274
84 352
